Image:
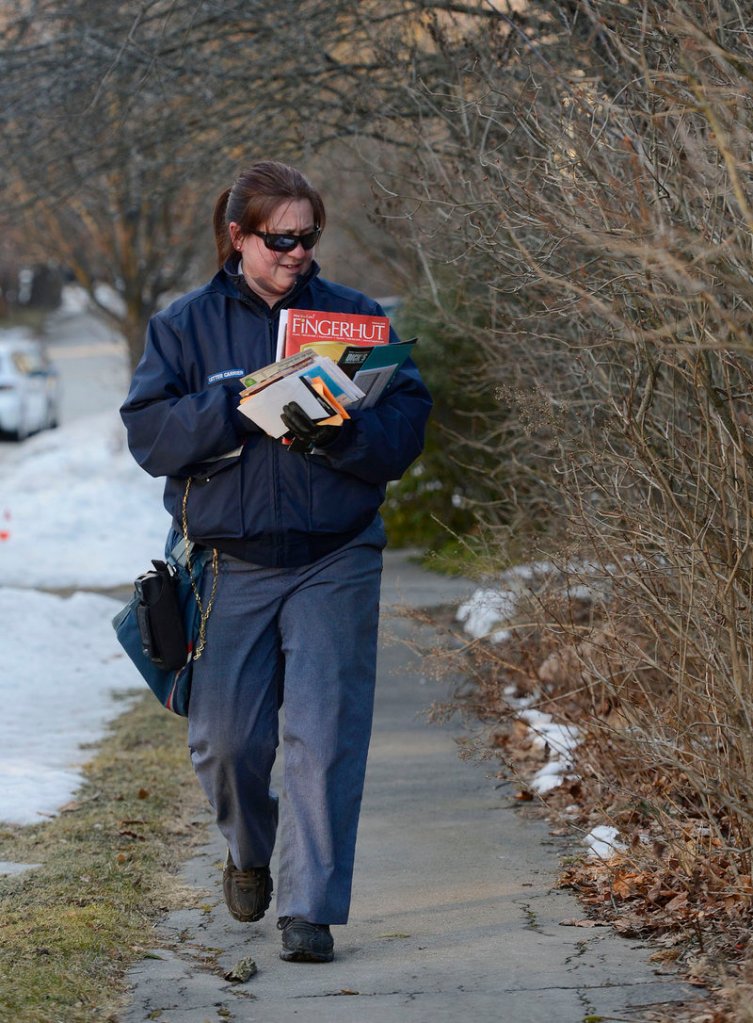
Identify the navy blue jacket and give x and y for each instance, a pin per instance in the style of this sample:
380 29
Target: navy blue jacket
264 502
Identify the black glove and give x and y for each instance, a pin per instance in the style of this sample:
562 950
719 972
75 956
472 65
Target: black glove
305 433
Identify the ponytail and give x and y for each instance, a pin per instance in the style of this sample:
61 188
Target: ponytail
221 231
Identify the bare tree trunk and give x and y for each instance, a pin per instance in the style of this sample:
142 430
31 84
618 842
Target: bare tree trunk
134 326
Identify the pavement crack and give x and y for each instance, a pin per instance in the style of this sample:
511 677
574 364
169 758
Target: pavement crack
606 986
532 920
346 992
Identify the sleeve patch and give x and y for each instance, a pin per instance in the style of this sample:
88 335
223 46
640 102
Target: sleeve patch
225 374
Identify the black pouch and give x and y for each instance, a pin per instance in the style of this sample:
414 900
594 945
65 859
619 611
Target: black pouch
160 618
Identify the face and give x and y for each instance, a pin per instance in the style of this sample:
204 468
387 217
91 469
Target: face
272 274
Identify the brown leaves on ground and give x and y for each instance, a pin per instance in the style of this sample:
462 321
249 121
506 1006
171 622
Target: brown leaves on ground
683 881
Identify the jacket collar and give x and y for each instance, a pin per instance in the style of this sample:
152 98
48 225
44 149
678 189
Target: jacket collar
234 283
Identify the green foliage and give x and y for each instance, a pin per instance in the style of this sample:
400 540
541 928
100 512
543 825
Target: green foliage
458 473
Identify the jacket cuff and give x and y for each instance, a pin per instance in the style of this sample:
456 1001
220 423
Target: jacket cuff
340 441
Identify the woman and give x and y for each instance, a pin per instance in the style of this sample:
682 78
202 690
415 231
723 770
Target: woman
299 536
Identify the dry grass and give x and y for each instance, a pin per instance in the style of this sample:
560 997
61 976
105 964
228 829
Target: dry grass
70 929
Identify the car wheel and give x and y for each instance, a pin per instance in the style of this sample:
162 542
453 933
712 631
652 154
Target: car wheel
53 416
22 430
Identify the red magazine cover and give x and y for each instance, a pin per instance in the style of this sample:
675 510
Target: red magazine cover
300 327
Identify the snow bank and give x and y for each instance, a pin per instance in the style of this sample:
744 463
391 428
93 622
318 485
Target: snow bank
60 667
77 511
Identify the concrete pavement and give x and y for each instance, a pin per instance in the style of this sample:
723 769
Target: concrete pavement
454 913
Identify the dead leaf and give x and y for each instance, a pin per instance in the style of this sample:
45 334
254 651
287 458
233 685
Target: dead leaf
243 970
633 926
626 884
677 903
127 833
583 923
664 955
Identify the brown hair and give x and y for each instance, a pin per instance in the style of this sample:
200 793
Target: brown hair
253 198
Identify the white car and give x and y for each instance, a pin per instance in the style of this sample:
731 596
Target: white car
29 388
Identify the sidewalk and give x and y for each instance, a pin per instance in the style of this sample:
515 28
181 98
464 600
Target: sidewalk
454 915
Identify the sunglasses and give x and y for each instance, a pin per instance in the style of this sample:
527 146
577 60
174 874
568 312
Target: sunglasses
287 242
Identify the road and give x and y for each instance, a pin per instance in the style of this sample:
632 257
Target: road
92 362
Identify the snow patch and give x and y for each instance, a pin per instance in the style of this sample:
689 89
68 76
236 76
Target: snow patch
7 868
603 842
558 740
74 300
485 610
77 511
60 667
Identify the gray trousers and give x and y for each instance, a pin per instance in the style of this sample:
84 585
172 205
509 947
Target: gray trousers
307 636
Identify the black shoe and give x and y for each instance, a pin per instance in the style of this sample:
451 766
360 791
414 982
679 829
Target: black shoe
303 942
247 892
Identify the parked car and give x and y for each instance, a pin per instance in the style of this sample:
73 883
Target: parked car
29 388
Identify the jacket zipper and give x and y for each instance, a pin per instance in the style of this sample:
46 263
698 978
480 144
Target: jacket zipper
273 317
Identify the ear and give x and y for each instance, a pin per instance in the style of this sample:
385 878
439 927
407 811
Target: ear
236 235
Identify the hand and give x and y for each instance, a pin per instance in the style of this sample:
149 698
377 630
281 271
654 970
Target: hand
305 432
